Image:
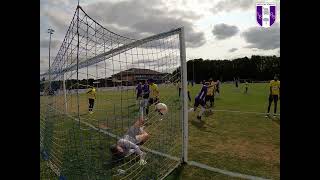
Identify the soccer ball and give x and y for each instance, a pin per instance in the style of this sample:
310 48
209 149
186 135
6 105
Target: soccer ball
162 108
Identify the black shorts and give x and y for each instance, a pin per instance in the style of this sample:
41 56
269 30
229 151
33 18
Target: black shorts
91 101
209 98
273 98
153 100
198 101
145 96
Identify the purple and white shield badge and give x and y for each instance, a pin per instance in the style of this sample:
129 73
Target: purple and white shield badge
266 14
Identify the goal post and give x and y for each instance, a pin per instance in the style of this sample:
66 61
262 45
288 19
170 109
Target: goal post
184 96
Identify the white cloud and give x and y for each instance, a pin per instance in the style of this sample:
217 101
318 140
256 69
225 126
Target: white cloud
263 38
141 18
233 49
230 5
224 31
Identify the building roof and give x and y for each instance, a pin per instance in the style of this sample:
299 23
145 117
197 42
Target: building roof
137 71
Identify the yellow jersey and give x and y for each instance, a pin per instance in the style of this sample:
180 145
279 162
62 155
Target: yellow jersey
211 89
91 93
154 90
275 87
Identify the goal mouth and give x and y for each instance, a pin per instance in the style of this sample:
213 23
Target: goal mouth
79 125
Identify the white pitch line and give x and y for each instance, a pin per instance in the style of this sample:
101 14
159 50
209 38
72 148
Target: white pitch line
242 112
229 173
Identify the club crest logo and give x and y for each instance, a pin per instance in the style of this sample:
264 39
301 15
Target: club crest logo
266 14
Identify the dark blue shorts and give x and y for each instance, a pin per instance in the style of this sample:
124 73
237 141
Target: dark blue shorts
197 101
273 98
139 95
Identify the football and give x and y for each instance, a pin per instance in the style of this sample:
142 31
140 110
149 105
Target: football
162 108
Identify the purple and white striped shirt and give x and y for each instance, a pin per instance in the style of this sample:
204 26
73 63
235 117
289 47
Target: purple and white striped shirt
202 95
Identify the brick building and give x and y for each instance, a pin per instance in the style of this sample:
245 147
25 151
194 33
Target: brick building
134 75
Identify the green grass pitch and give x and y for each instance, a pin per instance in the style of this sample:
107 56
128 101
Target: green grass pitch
244 142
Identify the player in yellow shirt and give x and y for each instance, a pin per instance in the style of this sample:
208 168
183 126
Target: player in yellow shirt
246 85
210 93
274 94
154 92
217 86
91 97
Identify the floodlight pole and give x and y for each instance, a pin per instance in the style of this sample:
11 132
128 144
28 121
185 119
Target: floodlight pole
50 31
184 96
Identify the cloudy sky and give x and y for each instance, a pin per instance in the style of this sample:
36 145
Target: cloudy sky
215 29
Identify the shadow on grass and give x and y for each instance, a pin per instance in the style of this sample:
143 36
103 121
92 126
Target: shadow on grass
202 125
197 123
276 120
207 113
132 105
176 174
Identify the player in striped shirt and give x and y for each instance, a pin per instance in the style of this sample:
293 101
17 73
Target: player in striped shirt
145 96
139 92
210 93
200 99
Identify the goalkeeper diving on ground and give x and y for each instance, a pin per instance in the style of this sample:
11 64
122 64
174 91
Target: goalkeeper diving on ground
130 142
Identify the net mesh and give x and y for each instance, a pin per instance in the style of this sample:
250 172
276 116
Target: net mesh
75 142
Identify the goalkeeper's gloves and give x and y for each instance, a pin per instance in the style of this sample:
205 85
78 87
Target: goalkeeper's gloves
142 157
142 162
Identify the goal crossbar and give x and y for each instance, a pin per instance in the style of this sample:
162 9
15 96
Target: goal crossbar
114 52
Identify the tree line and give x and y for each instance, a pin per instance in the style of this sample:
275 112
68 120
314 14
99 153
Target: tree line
256 68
